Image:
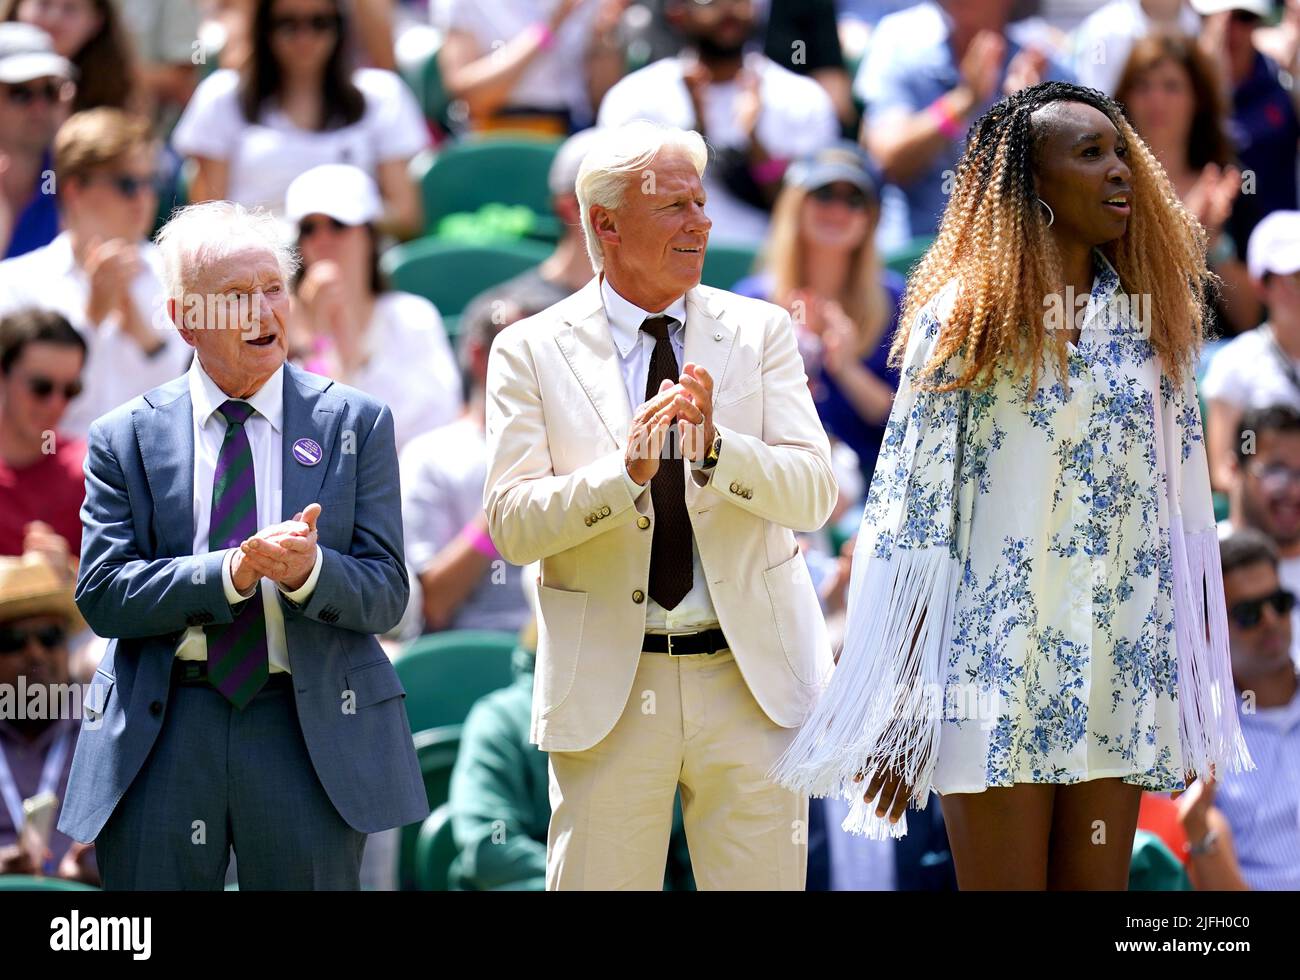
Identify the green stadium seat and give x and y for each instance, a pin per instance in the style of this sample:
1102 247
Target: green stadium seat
726 265
906 257
480 170
423 74
35 883
445 673
435 849
450 274
436 750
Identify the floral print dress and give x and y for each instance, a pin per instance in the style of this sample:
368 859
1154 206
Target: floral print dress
1024 599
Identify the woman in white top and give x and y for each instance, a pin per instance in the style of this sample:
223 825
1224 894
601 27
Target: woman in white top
535 65
1036 621
296 104
347 324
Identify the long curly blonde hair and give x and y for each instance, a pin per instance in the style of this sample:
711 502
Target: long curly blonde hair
993 238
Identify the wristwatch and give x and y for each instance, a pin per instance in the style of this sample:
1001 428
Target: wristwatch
711 460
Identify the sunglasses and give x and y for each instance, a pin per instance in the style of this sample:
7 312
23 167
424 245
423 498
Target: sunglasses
1274 478
43 388
127 185
852 198
308 228
314 24
1247 614
13 640
51 92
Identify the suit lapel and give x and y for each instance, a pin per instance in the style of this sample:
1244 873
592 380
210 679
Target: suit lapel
308 414
709 339
588 347
165 433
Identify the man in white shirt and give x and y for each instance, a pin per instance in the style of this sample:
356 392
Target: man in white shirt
754 114
1260 367
100 272
653 442
242 547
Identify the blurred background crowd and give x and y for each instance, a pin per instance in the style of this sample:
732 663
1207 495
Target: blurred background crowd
423 156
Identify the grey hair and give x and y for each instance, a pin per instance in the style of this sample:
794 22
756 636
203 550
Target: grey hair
616 155
202 234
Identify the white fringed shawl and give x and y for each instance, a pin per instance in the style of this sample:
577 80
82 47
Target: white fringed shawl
885 699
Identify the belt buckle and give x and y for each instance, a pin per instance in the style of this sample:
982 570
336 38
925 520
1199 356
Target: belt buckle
680 635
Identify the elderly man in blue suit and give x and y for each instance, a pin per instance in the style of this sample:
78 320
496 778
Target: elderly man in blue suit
242 546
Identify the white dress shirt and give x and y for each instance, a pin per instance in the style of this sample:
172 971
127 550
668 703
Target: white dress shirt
635 347
265 437
116 368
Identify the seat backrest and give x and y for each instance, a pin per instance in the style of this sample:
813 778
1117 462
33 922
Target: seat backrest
475 171
435 849
450 274
445 673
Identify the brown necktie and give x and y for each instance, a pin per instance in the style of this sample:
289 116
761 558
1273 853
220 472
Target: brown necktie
671 572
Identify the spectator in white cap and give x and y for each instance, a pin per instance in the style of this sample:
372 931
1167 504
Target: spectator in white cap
1261 367
561 273
36 92
348 324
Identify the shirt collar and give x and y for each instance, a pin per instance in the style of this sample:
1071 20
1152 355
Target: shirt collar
206 397
625 317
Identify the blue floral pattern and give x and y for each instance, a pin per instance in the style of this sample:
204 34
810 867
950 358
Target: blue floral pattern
1062 665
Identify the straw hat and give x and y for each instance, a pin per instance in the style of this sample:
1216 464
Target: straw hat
30 587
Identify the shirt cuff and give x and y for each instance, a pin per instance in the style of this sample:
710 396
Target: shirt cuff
634 488
233 595
300 595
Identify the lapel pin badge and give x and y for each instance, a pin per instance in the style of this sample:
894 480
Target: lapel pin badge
307 452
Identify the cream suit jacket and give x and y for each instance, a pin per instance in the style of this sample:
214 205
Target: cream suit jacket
557 429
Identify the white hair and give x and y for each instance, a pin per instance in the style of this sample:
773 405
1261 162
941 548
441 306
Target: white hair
199 236
616 155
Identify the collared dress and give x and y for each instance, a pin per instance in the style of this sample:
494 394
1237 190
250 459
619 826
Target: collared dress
1036 594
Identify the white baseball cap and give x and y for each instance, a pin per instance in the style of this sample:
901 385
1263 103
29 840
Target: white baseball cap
338 190
1207 7
27 52
1274 245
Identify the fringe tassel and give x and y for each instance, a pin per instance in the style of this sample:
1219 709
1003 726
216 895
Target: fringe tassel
1209 730
885 698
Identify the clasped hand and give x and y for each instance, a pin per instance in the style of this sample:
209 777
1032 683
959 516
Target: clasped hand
689 403
285 553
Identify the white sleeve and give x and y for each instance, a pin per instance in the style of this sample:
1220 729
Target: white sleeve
393 118
1225 380
800 119
425 511
212 123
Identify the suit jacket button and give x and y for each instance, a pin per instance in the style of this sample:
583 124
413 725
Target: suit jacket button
643 522
735 487
587 520
638 597
604 512
155 708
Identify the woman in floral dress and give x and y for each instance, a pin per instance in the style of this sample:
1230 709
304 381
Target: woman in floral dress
1036 624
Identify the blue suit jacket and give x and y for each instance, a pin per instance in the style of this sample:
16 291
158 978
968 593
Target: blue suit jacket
141 585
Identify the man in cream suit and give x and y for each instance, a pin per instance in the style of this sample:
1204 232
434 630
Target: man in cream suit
653 442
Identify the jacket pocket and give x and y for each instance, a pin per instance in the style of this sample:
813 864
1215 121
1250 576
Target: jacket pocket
95 701
798 613
374 683
559 641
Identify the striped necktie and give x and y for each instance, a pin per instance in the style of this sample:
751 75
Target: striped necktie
237 651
